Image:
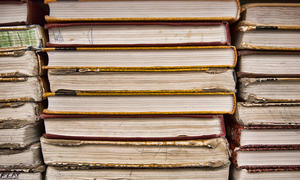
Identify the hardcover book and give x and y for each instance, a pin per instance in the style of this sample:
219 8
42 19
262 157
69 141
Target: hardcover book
21 37
57 173
259 135
136 154
20 63
267 37
143 10
270 89
279 14
193 58
268 64
25 89
140 102
138 127
273 156
221 80
138 34
249 114
16 12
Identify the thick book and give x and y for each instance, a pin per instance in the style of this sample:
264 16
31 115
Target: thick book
143 10
288 173
193 58
268 64
15 137
140 102
279 14
21 37
58 173
20 63
16 12
137 34
28 159
29 89
142 127
136 154
85 80
267 113
270 89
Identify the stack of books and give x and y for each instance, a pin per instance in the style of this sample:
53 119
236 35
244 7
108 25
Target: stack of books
139 89
21 90
265 133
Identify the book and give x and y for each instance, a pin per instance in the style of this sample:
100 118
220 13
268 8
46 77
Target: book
25 89
85 80
20 63
142 127
275 30
267 38
267 113
136 154
279 14
288 173
20 137
273 156
21 37
19 114
141 58
258 135
16 12
269 89
21 175
57 173
268 64
28 159
140 102
137 34
141 10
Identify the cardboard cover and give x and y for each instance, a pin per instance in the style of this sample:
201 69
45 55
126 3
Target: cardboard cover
36 11
145 23
208 136
162 68
57 19
138 93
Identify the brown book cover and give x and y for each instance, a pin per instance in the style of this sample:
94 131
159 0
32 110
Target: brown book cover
83 117
36 11
145 23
